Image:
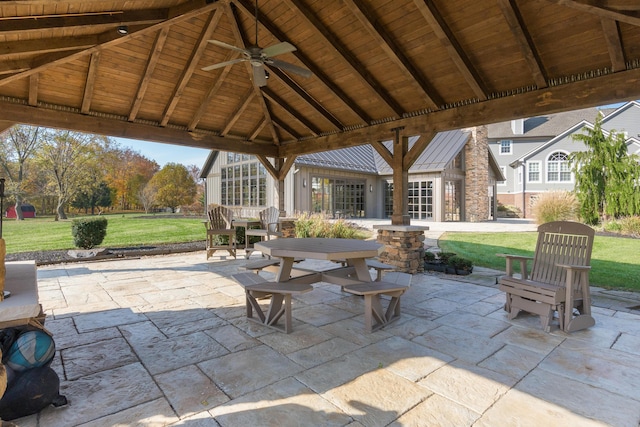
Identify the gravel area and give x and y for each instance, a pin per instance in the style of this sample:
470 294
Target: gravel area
65 256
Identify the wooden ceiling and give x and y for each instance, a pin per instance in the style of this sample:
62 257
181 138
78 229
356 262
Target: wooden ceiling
421 65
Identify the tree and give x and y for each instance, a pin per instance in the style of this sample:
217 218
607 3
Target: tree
98 196
17 146
70 159
147 196
607 178
175 186
127 172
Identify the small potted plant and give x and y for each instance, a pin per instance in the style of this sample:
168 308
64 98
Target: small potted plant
461 266
431 263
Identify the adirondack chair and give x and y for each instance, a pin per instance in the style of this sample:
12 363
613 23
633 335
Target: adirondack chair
219 224
269 226
559 277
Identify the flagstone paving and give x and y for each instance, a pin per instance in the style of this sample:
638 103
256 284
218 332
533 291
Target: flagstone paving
164 341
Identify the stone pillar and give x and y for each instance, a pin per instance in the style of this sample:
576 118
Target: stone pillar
404 246
288 227
476 154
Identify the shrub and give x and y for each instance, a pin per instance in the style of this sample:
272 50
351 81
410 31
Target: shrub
88 233
429 256
630 226
318 225
444 256
555 206
460 263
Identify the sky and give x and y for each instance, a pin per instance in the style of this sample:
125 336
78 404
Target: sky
166 153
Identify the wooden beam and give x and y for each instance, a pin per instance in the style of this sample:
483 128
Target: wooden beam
108 39
90 83
334 43
285 127
268 166
384 152
286 167
306 97
4 125
248 98
247 7
599 9
400 214
418 147
273 97
82 21
440 28
254 134
34 79
191 65
154 55
394 51
603 90
56 44
525 42
38 116
614 44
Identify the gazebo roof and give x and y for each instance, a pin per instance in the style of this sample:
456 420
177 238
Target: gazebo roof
424 66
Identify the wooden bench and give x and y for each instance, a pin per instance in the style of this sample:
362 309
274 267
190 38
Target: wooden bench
266 264
280 299
559 277
375 316
372 263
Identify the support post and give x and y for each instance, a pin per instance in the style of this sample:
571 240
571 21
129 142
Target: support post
400 214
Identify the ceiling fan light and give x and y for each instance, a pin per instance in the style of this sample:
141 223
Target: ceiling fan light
123 30
266 74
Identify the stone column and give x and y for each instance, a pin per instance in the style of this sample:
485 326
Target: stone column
404 246
476 154
288 227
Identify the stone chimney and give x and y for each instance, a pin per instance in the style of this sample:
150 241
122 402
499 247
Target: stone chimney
476 154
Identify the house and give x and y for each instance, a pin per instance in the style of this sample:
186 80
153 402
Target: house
448 181
533 153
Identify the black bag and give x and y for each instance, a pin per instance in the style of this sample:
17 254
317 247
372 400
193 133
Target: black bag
30 392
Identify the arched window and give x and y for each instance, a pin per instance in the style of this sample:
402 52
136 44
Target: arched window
558 167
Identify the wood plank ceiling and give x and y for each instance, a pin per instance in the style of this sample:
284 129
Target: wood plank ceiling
378 65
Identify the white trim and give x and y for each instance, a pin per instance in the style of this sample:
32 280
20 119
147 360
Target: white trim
503 169
546 172
510 141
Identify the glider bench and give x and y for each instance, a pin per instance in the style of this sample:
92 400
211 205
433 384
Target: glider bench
394 285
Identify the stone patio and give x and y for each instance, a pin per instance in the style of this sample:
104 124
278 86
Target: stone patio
164 341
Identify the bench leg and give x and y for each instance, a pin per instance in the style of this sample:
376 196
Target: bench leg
279 305
374 312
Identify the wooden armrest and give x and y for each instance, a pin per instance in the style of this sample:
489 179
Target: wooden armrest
575 267
520 258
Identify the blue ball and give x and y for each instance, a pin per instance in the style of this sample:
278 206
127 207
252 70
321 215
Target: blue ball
32 349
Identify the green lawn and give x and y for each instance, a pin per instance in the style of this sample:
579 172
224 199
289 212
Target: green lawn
615 261
40 234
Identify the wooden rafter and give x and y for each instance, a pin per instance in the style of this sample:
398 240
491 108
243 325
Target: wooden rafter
114 19
154 55
312 102
394 51
246 7
334 43
90 83
192 64
58 44
4 125
418 147
111 38
517 26
383 151
273 97
600 9
285 127
248 98
614 44
448 40
268 166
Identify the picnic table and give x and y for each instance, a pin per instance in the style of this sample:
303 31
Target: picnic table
353 252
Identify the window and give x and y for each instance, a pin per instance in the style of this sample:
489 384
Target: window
338 197
244 181
533 172
503 169
558 167
420 202
505 146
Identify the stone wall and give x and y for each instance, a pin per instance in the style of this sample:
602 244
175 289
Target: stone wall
288 227
476 153
403 247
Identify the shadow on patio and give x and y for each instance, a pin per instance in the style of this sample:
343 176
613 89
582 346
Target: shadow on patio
164 341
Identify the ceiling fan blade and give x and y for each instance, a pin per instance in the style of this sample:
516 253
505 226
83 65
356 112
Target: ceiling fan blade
278 49
259 76
290 67
227 46
222 64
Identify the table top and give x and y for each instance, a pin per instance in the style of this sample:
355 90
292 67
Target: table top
21 281
319 248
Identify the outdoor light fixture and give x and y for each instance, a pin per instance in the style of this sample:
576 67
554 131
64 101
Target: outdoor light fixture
370 188
123 30
266 74
304 182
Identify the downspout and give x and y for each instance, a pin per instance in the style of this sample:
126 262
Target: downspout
524 189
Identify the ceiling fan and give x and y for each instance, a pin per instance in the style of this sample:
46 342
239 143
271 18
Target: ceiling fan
258 56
